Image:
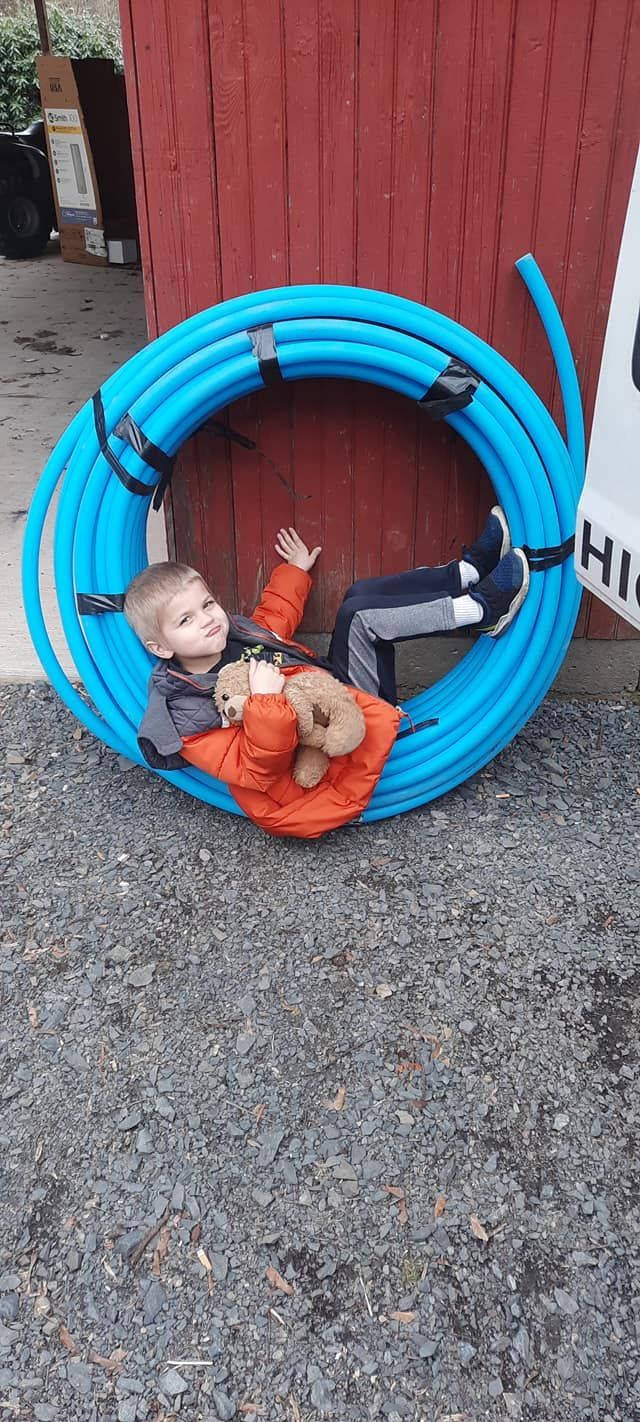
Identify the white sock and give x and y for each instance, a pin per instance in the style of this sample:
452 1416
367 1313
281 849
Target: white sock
468 574
466 611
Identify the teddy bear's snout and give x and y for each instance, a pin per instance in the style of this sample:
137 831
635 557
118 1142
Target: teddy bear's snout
232 712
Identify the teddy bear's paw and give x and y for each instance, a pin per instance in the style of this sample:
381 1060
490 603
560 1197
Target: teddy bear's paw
310 766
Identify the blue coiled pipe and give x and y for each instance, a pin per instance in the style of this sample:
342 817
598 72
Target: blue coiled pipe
180 380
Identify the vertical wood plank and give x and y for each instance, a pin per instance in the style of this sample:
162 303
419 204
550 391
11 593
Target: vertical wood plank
135 89
568 59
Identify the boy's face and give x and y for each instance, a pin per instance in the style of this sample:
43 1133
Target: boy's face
193 627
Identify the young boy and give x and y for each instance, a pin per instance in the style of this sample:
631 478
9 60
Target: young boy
178 618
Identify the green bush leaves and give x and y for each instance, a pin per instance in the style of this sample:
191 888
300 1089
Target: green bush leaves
77 34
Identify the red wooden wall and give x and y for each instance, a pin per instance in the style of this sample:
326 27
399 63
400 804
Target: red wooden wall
417 146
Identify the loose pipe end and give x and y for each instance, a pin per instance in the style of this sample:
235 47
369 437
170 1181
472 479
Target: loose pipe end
551 319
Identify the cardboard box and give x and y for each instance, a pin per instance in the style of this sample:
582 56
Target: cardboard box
87 128
123 251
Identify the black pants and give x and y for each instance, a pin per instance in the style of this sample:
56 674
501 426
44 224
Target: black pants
377 612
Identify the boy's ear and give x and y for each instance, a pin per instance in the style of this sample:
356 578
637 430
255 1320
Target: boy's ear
158 651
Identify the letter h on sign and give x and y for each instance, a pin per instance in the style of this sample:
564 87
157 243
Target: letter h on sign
605 556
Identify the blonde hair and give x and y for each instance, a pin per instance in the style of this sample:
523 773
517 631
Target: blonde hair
148 594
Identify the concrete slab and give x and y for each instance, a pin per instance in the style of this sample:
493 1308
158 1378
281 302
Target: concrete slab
63 330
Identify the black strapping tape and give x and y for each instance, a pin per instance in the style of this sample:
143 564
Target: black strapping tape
539 559
135 486
226 432
127 430
89 604
452 390
417 726
263 345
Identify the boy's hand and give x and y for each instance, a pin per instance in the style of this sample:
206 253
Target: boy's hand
292 550
264 678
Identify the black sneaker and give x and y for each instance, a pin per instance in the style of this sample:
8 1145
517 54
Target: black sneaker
502 593
491 546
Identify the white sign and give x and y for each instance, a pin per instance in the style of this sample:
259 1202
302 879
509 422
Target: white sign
71 170
607 556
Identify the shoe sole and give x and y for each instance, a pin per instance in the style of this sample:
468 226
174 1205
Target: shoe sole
508 616
505 542
506 536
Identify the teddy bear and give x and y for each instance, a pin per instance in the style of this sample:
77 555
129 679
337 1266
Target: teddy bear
330 722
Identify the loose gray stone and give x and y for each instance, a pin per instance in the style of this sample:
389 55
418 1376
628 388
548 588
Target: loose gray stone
427 1347
75 1060
173 1384
270 1143
127 1385
9 1308
80 1378
154 1301
565 1301
321 1394
220 1266
141 977
128 1243
131 1120
224 1405
343 1170
521 1343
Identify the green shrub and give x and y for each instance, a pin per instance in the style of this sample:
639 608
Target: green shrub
75 33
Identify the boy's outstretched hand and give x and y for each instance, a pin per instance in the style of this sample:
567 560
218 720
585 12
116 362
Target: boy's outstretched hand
292 550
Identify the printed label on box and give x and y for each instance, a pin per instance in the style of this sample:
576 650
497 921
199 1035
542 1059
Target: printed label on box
70 163
94 241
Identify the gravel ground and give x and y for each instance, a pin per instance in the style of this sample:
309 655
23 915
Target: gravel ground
346 1130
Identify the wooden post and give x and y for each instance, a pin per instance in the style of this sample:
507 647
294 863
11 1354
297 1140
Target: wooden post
43 25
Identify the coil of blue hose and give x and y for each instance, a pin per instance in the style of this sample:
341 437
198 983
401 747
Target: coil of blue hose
172 386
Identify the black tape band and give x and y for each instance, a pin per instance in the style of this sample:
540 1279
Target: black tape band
127 430
539 559
89 604
263 345
454 388
135 486
130 432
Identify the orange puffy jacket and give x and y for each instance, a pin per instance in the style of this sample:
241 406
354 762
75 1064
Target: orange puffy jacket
256 758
